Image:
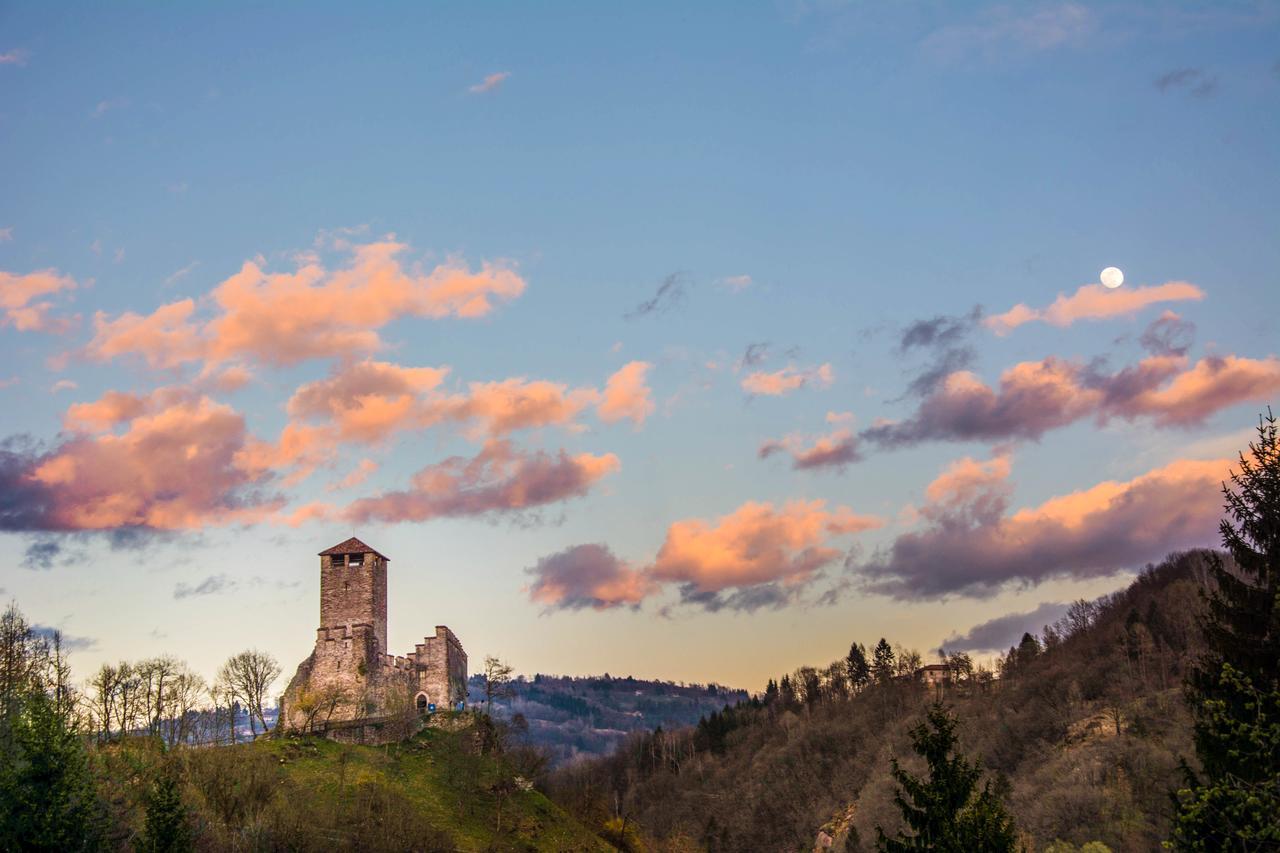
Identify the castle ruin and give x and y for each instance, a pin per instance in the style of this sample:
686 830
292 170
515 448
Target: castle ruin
349 675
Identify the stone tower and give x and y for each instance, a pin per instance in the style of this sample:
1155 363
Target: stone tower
353 590
349 675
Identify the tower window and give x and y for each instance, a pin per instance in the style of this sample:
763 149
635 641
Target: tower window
336 559
355 560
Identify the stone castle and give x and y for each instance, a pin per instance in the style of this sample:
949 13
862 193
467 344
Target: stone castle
349 675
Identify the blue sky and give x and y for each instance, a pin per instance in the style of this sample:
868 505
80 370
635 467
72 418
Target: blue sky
816 177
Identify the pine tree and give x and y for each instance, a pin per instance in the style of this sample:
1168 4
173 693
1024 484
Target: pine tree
947 812
883 666
858 668
168 828
1234 689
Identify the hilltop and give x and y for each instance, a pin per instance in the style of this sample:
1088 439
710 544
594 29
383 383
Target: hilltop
436 791
1082 731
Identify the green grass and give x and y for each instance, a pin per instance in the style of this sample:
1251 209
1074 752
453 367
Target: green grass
432 792
445 782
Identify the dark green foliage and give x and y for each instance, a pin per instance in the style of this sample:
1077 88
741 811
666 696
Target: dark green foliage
47 796
168 828
47 799
947 811
1234 690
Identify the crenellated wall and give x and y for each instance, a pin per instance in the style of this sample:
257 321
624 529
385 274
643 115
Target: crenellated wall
349 675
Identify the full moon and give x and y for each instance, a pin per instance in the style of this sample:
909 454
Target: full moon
1112 278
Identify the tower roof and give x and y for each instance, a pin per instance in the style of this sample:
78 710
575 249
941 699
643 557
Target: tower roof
352 546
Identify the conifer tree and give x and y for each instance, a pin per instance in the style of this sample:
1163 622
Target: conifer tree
883 667
947 812
1234 689
168 829
858 668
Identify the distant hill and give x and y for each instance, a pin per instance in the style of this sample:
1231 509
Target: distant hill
1082 731
588 717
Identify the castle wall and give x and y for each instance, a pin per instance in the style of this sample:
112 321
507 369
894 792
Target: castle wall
349 676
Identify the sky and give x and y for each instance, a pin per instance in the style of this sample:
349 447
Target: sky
687 341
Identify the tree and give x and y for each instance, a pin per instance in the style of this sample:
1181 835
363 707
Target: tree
884 662
249 676
168 828
947 811
47 797
1234 688
497 681
857 667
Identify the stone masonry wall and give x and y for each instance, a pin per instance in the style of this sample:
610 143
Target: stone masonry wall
354 595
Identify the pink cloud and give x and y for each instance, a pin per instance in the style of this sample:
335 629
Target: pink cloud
756 544
836 450
1093 302
973 546
175 466
357 475
626 395
1035 397
588 576
757 556
786 380
21 305
499 480
313 312
489 83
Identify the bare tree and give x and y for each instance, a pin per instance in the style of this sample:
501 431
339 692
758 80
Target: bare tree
250 675
497 681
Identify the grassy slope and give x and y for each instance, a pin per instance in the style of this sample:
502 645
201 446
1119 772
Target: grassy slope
445 784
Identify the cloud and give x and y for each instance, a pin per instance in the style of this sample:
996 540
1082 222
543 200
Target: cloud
755 354
587 576
970 544
106 106
1038 396
6 235
757 556
1013 29
736 283
626 395
357 475
212 585
369 402
944 338
1194 81
757 544
64 385
315 312
1000 633
178 275
21 305
669 294
70 642
17 56
1094 302
499 480
788 379
175 466
836 450
1168 334
41 554
489 83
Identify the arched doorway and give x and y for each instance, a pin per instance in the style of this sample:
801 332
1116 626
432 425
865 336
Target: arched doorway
422 703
